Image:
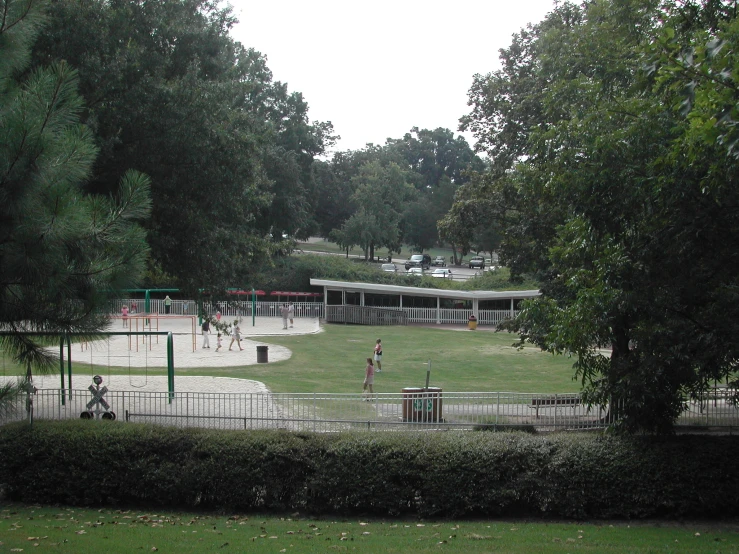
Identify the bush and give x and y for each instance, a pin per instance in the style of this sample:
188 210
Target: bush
422 474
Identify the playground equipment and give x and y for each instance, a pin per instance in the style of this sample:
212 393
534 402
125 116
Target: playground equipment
66 339
152 321
98 401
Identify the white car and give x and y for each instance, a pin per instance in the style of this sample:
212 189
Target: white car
416 271
442 273
390 268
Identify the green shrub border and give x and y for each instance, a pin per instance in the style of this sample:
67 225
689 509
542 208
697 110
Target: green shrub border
426 474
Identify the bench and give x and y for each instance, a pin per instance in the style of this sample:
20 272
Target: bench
554 400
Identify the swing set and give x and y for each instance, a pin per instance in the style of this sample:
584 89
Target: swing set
65 339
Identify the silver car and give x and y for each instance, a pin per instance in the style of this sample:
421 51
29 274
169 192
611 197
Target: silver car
390 268
442 273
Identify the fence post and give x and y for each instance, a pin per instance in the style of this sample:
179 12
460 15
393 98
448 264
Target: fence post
61 367
170 366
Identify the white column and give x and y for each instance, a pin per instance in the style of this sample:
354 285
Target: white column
438 312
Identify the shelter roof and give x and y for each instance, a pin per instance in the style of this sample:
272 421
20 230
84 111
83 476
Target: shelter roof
376 288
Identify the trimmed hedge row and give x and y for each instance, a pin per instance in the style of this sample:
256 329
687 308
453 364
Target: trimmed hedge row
425 474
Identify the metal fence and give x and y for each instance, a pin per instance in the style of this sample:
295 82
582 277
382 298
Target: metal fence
236 308
411 409
231 308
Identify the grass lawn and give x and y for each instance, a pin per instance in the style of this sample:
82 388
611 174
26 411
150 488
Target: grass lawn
83 531
333 362
326 246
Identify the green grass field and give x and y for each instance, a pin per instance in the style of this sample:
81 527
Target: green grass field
406 252
83 531
333 361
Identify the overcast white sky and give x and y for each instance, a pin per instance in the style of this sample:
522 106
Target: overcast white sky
377 69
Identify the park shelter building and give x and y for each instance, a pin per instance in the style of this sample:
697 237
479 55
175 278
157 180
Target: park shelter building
425 305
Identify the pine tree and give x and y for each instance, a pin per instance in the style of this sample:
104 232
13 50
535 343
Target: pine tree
62 252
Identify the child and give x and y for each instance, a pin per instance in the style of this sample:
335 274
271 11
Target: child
369 380
218 343
378 354
124 314
236 336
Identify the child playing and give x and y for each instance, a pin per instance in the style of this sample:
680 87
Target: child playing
124 315
218 343
378 354
236 336
369 380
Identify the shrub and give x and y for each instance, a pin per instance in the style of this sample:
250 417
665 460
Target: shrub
423 474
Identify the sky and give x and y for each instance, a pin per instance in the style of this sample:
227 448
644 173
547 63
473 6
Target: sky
377 69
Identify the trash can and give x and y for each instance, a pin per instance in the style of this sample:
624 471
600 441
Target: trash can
422 405
472 323
262 357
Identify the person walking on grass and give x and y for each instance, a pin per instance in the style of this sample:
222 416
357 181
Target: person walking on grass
235 336
369 381
378 354
284 312
206 332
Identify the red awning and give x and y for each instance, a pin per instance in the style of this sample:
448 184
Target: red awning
246 292
297 294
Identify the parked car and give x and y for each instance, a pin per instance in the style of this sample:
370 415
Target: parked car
442 273
418 260
415 271
488 261
477 262
390 268
440 261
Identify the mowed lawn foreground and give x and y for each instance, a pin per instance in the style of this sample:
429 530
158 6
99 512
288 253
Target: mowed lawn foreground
83 531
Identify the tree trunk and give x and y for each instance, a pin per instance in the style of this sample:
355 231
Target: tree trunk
454 254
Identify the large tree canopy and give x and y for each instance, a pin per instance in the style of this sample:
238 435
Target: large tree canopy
170 93
434 163
62 252
610 129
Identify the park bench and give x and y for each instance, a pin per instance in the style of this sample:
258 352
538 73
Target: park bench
555 400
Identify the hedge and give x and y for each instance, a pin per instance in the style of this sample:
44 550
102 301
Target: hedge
447 474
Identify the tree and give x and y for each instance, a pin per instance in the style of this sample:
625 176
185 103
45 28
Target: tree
634 201
170 93
438 164
381 194
62 252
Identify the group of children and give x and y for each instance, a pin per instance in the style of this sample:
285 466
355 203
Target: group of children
369 373
235 335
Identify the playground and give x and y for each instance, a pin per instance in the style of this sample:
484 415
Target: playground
112 357
142 351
